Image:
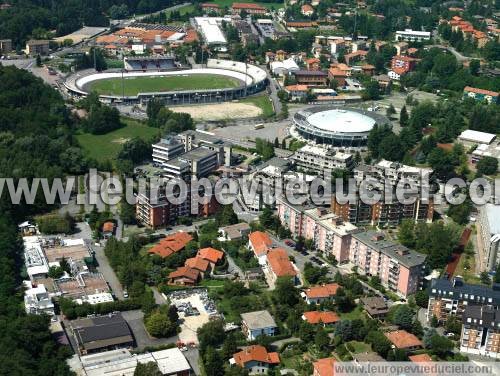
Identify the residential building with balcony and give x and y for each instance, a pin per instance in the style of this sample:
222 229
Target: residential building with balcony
257 323
488 226
480 333
310 157
451 298
412 35
399 268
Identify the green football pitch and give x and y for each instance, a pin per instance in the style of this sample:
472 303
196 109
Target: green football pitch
154 84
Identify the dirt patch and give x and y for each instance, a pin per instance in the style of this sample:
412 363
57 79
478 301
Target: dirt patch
220 111
120 140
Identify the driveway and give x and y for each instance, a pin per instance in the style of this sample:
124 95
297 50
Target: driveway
135 320
107 271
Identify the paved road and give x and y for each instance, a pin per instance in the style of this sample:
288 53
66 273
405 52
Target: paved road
159 299
107 271
233 268
457 54
135 320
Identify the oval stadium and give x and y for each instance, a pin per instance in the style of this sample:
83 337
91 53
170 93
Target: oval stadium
219 81
339 127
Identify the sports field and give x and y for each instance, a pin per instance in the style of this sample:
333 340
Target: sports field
135 85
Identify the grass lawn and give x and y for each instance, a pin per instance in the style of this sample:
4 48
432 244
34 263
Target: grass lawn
356 313
135 85
212 283
228 3
263 102
359 347
107 146
113 63
183 10
466 268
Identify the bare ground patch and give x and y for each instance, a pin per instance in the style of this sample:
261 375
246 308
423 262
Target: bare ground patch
220 111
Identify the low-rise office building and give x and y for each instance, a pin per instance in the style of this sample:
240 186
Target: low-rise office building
37 300
37 47
101 333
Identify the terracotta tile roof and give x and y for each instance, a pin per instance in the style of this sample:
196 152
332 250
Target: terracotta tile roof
325 317
296 87
247 6
191 36
312 60
323 291
279 263
130 32
171 244
197 263
211 254
110 47
210 5
336 72
357 53
367 66
403 340
260 242
420 358
256 353
307 8
108 226
107 39
301 24
324 367
481 91
185 272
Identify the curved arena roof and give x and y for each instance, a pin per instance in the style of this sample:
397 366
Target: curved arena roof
337 126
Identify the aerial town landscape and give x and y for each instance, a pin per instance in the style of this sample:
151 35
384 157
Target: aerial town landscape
272 187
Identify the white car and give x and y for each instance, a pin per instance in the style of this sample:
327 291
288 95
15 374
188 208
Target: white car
125 294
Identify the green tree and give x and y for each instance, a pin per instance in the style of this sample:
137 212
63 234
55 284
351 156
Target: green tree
147 369
474 67
485 278
321 339
158 325
403 317
406 233
212 362
487 166
403 117
285 292
422 298
440 345
372 91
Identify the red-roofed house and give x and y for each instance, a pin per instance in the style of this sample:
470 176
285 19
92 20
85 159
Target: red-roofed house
259 242
313 64
296 92
250 8
420 358
202 265
210 7
318 294
171 244
108 229
184 276
481 95
355 56
255 359
323 367
279 265
401 339
212 255
338 75
307 10
321 317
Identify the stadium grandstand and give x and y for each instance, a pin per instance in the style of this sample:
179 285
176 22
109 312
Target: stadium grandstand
252 80
149 63
147 26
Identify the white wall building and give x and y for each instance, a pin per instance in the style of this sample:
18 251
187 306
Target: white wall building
317 158
412 35
37 300
489 233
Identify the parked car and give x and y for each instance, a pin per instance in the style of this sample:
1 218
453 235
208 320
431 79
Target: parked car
290 243
125 294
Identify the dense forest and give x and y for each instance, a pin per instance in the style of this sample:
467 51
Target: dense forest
36 18
35 140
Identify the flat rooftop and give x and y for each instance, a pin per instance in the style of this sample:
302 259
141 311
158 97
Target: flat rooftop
338 120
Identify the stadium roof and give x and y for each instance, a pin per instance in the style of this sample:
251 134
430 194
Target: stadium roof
211 30
341 121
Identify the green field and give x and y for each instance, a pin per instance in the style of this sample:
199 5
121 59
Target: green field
107 146
135 85
263 102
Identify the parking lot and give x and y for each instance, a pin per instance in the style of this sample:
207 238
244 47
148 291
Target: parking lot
195 309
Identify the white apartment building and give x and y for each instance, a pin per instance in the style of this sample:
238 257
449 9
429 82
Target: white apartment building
318 158
489 236
481 331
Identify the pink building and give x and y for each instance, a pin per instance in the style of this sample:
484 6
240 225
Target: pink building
329 233
399 268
